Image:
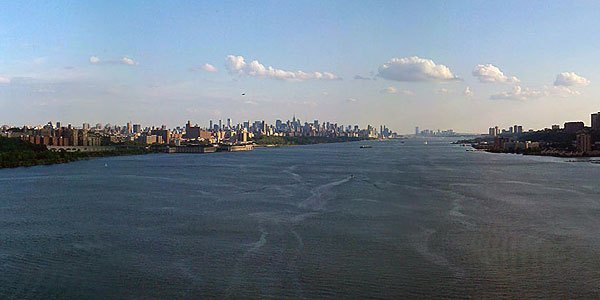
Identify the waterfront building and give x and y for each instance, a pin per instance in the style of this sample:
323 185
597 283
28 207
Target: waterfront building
584 142
165 135
596 121
574 127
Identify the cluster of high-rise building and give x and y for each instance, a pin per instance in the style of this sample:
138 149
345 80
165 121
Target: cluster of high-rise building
496 131
53 134
585 139
435 133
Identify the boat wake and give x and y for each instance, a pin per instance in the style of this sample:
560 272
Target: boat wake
321 195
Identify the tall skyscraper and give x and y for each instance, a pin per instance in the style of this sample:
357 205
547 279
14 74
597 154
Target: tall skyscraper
210 125
228 123
417 130
596 121
220 124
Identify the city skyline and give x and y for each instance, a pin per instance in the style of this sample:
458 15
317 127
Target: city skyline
459 65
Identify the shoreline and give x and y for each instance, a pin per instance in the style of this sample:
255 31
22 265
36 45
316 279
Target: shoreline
572 158
80 156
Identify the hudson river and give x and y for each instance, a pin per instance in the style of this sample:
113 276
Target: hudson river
399 220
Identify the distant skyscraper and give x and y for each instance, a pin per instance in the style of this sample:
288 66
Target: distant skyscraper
228 123
86 126
210 125
417 130
573 127
596 121
220 124
129 128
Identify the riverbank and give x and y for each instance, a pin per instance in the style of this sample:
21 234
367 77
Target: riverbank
548 152
278 141
16 153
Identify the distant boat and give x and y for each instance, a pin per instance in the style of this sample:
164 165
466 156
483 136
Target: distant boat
425 143
366 146
105 165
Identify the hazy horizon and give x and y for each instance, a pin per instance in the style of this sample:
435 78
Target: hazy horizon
437 65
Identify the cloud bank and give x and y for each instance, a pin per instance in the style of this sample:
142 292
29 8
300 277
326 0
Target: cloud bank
519 93
237 65
570 79
415 68
4 80
522 94
393 91
491 74
95 60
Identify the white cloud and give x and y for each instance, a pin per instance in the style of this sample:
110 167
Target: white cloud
95 60
443 91
492 74
415 69
390 90
570 79
351 100
209 68
519 93
468 92
238 65
4 80
562 91
393 90
128 61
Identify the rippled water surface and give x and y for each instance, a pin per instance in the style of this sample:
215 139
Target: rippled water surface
396 220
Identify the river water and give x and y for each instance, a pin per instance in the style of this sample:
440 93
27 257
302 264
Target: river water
398 220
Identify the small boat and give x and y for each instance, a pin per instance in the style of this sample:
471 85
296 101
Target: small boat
366 146
425 143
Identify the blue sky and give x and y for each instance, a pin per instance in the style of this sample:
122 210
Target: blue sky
465 65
